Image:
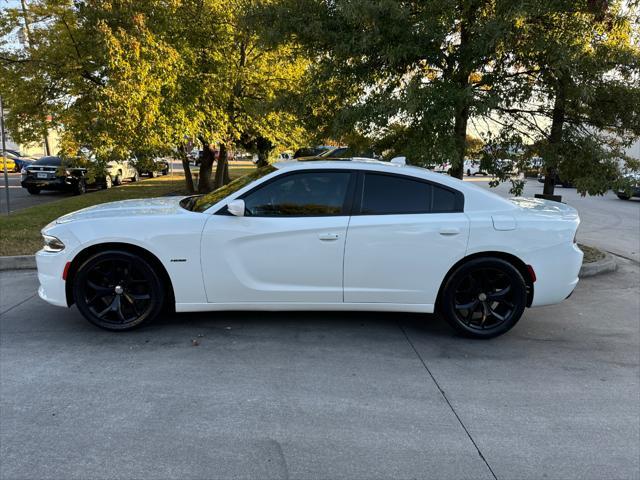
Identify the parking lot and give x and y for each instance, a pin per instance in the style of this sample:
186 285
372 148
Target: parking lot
333 395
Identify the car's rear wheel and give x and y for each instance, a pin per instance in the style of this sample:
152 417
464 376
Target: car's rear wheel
118 179
136 177
117 290
484 297
622 196
153 174
33 190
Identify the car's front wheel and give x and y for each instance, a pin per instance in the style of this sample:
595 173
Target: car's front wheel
484 297
117 290
80 187
623 196
33 190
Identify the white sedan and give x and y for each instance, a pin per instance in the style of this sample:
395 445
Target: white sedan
316 235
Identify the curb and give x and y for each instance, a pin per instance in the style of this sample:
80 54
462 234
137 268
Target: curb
606 265
20 262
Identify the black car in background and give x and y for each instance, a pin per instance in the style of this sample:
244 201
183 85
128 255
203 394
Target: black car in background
634 180
48 173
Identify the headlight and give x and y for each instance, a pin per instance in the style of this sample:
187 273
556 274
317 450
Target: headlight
52 244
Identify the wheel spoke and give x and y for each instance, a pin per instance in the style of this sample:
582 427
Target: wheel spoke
108 309
497 315
118 308
99 289
467 306
485 314
499 294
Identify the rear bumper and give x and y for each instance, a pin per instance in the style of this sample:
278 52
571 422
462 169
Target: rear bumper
557 270
50 268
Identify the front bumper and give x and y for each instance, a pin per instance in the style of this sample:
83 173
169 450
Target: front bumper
50 269
58 183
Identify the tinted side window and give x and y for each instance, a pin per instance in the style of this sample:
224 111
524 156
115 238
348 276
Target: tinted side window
305 194
443 200
386 194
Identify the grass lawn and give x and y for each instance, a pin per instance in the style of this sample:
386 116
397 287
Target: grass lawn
20 231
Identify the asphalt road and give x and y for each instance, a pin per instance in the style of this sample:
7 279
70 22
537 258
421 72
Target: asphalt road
322 396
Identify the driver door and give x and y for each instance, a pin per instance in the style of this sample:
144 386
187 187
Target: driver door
287 248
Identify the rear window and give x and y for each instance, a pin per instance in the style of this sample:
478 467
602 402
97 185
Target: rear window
52 161
390 194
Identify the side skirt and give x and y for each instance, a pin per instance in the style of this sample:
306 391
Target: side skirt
328 307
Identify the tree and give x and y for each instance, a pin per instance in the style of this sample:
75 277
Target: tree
579 101
419 69
127 77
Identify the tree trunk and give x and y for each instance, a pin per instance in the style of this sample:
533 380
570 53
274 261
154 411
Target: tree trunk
555 138
222 173
47 148
460 79
206 166
264 146
460 136
188 178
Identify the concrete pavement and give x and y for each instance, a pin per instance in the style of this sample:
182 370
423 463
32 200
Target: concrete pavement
325 395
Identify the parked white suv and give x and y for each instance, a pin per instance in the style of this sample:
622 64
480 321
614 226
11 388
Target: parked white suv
118 170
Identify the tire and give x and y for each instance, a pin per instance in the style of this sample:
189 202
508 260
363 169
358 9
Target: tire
118 180
135 177
153 174
80 188
33 190
468 172
165 171
117 290
108 183
494 293
622 196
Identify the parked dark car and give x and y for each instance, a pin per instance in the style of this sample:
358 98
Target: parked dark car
48 173
635 187
563 182
312 151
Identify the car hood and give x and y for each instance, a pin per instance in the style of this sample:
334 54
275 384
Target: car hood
128 208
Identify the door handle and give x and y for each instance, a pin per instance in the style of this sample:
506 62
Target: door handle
449 231
326 237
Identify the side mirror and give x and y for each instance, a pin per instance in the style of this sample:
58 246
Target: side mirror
236 207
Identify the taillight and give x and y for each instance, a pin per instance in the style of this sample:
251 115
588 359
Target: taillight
532 273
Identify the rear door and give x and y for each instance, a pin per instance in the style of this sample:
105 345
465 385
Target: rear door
403 238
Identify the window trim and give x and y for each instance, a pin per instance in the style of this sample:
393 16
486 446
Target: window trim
347 205
357 204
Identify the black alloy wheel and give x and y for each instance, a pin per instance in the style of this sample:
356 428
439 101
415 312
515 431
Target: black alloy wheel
33 190
117 290
484 298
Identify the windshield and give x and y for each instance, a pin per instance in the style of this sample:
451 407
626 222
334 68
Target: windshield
202 202
50 161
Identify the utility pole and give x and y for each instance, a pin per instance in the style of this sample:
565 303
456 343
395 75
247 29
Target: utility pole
4 155
27 41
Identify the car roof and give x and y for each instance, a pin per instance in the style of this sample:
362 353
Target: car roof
476 198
